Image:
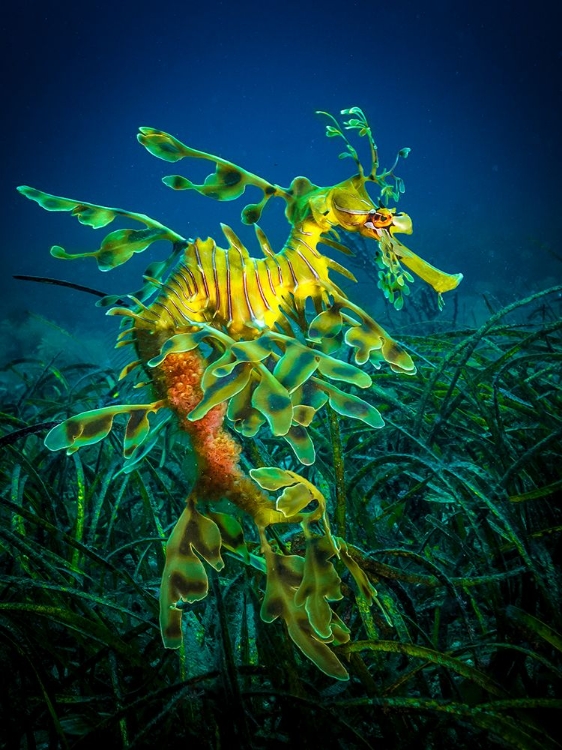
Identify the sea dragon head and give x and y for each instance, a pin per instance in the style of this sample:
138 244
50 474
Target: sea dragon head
349 206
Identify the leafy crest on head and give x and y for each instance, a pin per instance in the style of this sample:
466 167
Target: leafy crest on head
391 185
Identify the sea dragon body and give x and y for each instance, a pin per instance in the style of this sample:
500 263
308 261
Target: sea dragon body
225 335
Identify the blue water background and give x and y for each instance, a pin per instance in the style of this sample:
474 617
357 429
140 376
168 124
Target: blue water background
473 89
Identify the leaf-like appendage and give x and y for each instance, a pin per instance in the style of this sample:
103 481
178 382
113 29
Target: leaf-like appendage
226 183
340 631
252 351
364 340
218 369
177 182
296 365
94 216
352 406
359 575
118 246
249 426
284 577
204 536
303 415
301 443
299 494
399 360
319 585
247 420
181 342
136 432
162 145
221 390
311 395
92 426
141 450
326 324
273 478
86 213
232 534
84 429
274 402
294 499
184 577
335 369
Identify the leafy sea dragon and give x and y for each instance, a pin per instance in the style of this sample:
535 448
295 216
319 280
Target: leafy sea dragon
228 338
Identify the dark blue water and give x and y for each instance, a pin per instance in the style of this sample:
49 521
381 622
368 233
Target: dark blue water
473 89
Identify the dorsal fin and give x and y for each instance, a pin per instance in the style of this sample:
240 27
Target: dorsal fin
264 242
336 245
234 240
335 266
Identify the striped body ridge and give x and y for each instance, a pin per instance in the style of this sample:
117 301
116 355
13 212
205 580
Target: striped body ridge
241 295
